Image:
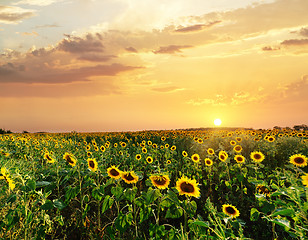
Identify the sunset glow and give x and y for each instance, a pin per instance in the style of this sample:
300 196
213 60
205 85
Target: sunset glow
217 122
135 65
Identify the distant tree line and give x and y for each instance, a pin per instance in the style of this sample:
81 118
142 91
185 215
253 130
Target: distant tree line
295 127
3 131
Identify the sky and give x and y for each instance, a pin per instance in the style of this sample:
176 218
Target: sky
128 65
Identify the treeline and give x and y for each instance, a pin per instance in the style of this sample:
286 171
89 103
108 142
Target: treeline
3 131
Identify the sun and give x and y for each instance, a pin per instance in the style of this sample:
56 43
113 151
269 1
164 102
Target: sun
217 122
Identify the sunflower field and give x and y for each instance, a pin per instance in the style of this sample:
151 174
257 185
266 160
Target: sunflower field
181 184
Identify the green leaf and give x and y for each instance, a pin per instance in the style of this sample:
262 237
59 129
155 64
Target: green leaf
11 198
47 205
254 214
117 192
42 184
31 185
130 193
58 204
283 212
151 195
108 201
201 223
174 212
282 222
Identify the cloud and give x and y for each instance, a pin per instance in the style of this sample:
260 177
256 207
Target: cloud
37 2
171 49
296 91
295 42
33 33
131 49
14 14
10 73
93 57
91 43
47 26
304 32
269 48
196 27
167 89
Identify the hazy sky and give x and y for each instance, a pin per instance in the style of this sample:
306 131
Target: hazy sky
116 65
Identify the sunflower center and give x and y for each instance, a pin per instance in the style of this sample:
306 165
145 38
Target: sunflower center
208 162
91 164
129 177
114 172
186 187
257 156
160 180
299 160
230 210
48 158
68 158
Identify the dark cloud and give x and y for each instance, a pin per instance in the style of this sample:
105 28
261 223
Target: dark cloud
96 57
295 42
196 27
12 14
131 49
91 43
269 48
304 32
9 73
171 49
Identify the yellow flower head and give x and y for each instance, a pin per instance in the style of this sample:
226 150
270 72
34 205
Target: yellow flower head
114 172
92 164
298 160
160 181
188 187
129 177
230 210
195 157
70 159
257 156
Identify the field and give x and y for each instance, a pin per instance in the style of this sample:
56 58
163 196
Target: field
197 184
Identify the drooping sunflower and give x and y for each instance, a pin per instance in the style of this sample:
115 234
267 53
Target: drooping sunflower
257 156
114 172
6 176
129 177
49 158
237 148
230 210
210 151
188 187
92 164
160 181
185 154
149 159
239 158
70 159
138 156
305 179
195 157
208 162
298 160
222 155
263 190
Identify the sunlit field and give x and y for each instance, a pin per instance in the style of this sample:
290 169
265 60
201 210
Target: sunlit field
198 184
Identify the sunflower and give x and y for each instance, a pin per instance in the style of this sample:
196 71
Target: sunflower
163 138
89 154
263 190
114 172
200 140
195 157
103 148
92 164
230 210
257 156
49 158
238 139
173 148
154 145
138 156
232 142
305 179
123 144
185 154
188 187
129 177
144 150
210 151
237 148
149 159
223 156
166 145
70 159
160 181
149 143
208 162
6 176
298 160
168 162
88 147
271 139
239 158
